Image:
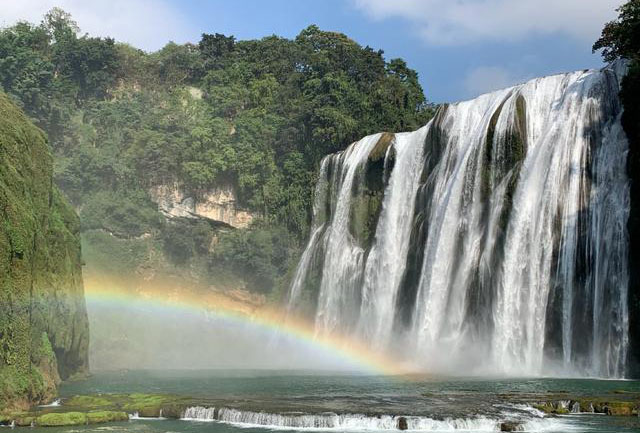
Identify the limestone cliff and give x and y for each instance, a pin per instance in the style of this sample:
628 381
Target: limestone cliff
44 331
217 204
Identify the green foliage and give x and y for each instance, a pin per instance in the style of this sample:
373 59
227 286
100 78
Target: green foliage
61 419
123 214
38 233
103 416
50 71
261 255
184 238
620 37
113 255
258 115
17 384
88 401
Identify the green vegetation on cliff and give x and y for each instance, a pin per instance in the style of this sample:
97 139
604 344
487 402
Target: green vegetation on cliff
621 39
257 115
43 325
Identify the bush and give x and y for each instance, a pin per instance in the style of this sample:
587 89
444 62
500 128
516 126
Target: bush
261 254
184 238
123 215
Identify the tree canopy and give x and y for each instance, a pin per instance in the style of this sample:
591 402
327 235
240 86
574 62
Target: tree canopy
258 115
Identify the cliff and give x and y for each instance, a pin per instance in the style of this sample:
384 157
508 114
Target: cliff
218 205
630 96
44 330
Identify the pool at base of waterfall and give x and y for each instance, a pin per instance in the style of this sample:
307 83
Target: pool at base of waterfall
254 401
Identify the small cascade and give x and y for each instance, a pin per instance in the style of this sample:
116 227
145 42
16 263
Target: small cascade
521 419
355 422
575 407
495 232
55 403
136 416
200 413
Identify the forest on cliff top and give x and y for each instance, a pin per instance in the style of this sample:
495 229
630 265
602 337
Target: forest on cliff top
257 115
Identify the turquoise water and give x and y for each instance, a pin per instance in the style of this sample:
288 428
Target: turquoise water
433 404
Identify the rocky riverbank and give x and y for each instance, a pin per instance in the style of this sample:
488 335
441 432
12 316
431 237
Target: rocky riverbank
105 408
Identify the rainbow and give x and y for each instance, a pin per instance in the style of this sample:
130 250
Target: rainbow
106 292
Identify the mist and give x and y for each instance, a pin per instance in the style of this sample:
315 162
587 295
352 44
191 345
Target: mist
135 333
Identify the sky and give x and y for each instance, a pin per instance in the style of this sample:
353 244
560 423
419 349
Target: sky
460 48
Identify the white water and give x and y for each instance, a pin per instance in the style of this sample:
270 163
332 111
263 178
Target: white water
199 413
385 263
360 422
136 415
343 257
512 210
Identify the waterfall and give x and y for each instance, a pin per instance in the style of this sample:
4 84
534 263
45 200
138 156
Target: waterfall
199 413
493 239
525 420
356 422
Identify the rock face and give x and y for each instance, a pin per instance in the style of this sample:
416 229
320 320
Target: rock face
217 204
44 332
630 96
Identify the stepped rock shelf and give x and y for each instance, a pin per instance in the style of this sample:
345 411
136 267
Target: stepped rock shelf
106 408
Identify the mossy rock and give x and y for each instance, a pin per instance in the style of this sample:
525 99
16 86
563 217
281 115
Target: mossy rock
600 405
380 149
609 407
551 408
88 401
365 210
149 411
44 332
622 408
61 419
173 411
368 192
137 402
106 416
145 404
25 421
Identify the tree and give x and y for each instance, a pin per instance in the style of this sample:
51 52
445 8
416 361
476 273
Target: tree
256 115
214 48
60 25
620 38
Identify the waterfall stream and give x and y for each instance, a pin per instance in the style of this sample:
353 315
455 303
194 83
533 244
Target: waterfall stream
492 240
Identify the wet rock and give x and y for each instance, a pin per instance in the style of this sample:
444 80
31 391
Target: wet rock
173 411
509 426
402 423
61 419
24 421
149 412
99 417
380 149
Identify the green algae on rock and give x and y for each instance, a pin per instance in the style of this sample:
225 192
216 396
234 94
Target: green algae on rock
43 329
61 419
